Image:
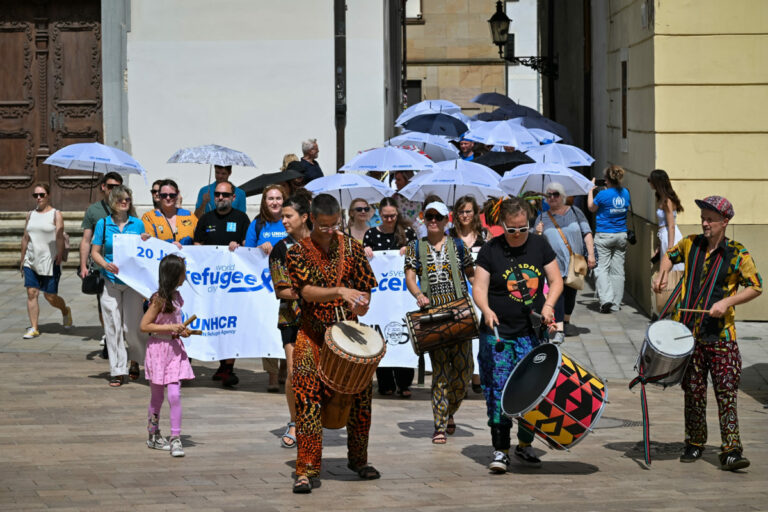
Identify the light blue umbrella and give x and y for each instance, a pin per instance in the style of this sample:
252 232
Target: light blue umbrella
96 157
501 133
388 158
563 154
437 147
537 176
427 107
451 183
212 154
347 187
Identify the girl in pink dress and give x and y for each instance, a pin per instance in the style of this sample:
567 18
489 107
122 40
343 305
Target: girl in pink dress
166 363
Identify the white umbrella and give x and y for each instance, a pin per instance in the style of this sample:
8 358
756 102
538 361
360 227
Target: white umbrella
348 187
537 176
95 157
211 154
544 136
437 147
427 107
450 184
563 154
501 133
388 158
480 170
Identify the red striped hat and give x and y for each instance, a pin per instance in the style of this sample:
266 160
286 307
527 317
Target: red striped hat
717 203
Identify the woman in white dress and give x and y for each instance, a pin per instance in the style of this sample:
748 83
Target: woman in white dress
667 206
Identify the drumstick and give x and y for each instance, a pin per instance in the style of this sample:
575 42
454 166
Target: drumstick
496 333
190 320
705 311
195 331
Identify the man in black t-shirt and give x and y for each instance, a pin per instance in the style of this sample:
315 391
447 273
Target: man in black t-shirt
509 285
223 226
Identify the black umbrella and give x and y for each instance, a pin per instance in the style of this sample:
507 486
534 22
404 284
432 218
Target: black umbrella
259 183
503 161
436 124
493 98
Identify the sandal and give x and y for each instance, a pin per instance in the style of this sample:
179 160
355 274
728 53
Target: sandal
404 393
302 485
439 437
289 436
133 371
366 472
116 381
450 428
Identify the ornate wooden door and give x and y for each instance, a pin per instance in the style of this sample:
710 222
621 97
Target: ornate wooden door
50 96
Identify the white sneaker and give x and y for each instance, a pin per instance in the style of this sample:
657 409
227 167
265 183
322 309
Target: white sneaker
103 341
558 338
31 333
176 449
500 463
158 442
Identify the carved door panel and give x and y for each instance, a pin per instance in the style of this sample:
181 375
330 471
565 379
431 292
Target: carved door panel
50 96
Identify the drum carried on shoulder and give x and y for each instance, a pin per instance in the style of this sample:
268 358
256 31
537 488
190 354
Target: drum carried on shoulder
442 326
666 350
557 397
348 360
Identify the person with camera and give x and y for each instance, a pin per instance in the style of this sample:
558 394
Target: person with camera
612 204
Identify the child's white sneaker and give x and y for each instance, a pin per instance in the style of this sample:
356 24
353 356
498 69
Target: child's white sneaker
176 449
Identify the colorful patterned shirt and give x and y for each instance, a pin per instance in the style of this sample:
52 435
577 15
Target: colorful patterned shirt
735 267
288 315
441 288
308 264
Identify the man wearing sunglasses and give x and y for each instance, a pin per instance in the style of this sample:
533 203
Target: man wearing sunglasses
206 202
223 226
443 264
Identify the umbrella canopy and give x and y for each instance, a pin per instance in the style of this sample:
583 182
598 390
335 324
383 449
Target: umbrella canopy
259 183
436 124
503 161
95 157
501 133
474 166
388 158
544 136
427 107
507 112
538 175
450 184
437 147
563 154
348 187
211 154
545 124
493 98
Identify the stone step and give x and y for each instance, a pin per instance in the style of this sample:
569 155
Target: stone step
12 229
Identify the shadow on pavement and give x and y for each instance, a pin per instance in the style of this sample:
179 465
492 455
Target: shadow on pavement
661 451
423 429
481 454
86 332
333 468
754 382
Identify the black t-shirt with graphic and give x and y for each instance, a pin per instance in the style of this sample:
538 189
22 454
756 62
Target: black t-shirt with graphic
216 229
504 299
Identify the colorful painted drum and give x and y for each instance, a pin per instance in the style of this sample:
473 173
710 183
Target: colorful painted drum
665 353
442 326
349 356
559 398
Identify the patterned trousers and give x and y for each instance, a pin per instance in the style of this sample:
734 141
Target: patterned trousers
451 370
722 361
310 392
495 368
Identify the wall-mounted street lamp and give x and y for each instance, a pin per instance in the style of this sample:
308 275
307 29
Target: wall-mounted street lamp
499 23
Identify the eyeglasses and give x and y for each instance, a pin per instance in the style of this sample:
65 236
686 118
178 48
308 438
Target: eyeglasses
389 217
38 195
124 200
429 217
327 229
166 195
360 209
155 191
222 194
110 186
514 230
552 194
466 212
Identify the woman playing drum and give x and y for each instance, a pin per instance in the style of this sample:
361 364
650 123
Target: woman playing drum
508 287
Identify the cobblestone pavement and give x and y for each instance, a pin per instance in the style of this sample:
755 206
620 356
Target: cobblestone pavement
68 441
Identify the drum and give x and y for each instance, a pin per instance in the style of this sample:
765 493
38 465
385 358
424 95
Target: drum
334 412
665 353
559 398
349 356
442 326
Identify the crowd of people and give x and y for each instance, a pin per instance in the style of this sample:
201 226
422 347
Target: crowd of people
515 253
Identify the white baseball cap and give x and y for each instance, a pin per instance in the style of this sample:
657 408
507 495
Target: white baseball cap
438 207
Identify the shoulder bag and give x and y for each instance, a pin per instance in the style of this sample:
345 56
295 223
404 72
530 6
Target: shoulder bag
93 282
577 264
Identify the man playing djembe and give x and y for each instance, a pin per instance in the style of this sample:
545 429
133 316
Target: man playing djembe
714 268
332 276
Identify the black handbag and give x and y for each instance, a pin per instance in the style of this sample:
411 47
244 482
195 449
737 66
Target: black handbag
631 236
93 282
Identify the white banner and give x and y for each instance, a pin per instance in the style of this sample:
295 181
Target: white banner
229 291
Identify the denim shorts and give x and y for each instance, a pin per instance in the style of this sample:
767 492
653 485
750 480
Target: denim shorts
46 284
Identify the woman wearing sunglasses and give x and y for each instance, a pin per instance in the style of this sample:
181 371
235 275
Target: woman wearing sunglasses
42 251
508 287
169 222
121 306
393 234
571 222
438 261
359 214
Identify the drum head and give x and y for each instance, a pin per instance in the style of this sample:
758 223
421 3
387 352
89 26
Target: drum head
356 339
531 379
670 338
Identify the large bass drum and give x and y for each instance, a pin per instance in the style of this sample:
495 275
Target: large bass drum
665 353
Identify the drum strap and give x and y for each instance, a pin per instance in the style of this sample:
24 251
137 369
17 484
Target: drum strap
450 248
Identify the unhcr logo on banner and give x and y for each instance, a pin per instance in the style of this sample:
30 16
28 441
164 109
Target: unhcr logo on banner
225 277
